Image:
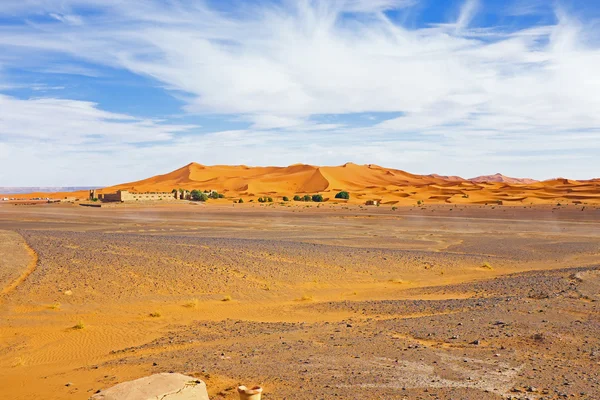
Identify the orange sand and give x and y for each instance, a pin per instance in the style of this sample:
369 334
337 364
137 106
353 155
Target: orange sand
364 182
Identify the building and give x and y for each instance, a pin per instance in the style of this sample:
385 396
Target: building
125 195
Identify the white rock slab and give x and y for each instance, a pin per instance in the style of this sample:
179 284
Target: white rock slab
159 386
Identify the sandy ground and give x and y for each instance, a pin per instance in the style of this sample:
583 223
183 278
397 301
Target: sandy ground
450 302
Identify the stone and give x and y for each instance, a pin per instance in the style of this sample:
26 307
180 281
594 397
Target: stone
165 386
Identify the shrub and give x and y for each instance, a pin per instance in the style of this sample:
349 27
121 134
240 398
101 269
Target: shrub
226 298
221 196
240 201
192 303
214 195
261 200
197 195
285 198
155 314
297 198
270 199
307 197
317 198
80 325
343 195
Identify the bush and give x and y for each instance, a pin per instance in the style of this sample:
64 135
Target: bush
214 195
240 201
221 196
297 198
307 197
343 195
285 198
197 195
261 200
317 198
270 199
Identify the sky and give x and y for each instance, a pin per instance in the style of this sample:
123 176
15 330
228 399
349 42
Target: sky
100 92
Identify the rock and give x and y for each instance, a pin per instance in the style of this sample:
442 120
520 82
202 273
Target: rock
163 386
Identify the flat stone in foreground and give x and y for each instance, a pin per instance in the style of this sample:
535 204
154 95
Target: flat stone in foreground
163 386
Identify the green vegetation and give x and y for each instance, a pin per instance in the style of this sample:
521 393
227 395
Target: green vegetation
270 199
307 197
343 195
297 198
317 198
197 195
240 201
285 198
95 199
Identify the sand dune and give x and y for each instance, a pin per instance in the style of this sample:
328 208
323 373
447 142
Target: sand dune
364 182
367 182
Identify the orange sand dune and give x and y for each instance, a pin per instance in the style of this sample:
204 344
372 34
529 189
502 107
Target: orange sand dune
364 182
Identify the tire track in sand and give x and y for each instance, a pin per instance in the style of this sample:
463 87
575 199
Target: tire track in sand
31 265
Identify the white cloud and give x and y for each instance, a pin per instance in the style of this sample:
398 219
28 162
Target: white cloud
71 122
474 93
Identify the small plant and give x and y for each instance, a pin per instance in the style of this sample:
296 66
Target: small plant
240 201
419 202
307 197
95 199
54 306
487 265
221 196
79 326
270 199
343 195
297 198
155 314
191 304
394 208
317 198
397 281
285 198
226 298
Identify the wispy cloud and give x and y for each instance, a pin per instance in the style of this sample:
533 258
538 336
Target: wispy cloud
466 94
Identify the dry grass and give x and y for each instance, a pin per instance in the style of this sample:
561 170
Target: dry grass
193 303
486 265
226 298
79 326
397 281
155 314
306 297
54 306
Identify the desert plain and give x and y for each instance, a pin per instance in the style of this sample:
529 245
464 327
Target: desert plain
335 301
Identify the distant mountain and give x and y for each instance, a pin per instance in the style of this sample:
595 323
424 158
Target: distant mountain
502 179
44 189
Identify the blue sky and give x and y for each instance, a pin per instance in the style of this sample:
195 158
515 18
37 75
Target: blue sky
97 92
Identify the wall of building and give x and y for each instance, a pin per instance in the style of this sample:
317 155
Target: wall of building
124 195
